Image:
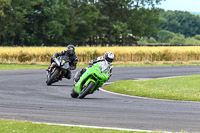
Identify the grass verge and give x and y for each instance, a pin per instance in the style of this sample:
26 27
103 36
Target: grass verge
10 66
152 64
26 66
11 126
21 66
185 88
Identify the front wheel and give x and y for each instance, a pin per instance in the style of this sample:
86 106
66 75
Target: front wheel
50 78
86 90
74 94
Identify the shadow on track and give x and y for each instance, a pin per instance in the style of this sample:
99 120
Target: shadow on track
63 85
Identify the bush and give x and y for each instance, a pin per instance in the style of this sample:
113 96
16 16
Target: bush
178 40
197 37
165 36
146 40
142 41
192 41
156 44
152 40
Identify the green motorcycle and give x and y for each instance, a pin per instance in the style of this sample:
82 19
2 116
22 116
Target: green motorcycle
93 78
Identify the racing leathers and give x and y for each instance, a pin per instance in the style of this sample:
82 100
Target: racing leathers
73 59
91 63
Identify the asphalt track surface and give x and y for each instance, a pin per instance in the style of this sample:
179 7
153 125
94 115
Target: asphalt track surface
25 96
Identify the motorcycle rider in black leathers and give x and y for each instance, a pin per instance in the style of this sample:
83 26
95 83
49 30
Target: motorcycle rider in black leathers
70 52
108 56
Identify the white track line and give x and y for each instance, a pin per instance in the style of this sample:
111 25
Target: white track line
146 98
111 128
114 93
99 127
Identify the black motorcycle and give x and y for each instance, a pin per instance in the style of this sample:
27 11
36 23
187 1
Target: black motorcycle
61 66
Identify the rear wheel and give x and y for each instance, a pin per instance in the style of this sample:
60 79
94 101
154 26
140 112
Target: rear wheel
50 78
86 90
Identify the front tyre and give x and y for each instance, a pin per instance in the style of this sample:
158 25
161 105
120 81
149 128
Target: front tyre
74 94
86 90
52 77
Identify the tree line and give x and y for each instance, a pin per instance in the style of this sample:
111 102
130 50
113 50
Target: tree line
88 22
178 28
60 22
180 22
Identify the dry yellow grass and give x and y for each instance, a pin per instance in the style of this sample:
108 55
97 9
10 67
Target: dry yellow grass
122 54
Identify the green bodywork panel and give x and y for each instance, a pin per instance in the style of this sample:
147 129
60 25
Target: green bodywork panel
93 74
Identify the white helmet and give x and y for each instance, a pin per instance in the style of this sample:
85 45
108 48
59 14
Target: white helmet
109 57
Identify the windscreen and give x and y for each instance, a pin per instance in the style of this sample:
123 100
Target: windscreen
65 58
104 66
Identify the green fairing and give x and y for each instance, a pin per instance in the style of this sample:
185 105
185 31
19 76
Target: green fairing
93 74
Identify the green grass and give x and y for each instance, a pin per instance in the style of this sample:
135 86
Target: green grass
185 88
11 126
21 66
6 66
151 64
26 66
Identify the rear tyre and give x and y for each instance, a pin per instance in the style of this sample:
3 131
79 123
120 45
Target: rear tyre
87 90
52 77
74 94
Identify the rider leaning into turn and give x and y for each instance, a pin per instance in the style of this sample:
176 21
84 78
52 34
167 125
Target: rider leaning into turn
108 56
70 52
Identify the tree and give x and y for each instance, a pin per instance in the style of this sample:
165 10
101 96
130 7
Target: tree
180 22
51 21
143 22
119 19
12 31
34 22
81 22
4 4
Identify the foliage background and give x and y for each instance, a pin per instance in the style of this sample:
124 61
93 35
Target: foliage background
95 22
81 22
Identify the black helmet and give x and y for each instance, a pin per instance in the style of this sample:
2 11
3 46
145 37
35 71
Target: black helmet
109 56
70 49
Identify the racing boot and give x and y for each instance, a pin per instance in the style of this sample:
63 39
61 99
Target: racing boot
77 77
51 66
